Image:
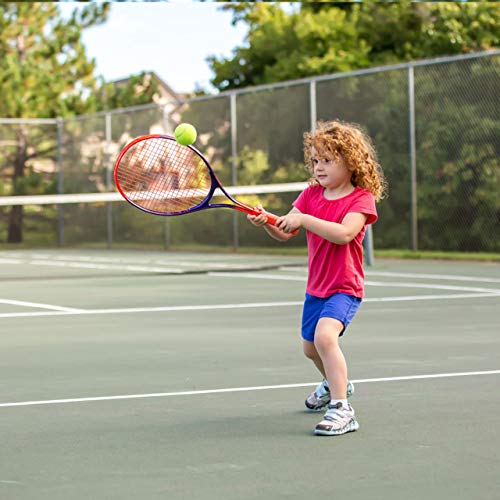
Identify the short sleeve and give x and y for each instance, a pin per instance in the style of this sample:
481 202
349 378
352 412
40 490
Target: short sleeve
301 202
365 204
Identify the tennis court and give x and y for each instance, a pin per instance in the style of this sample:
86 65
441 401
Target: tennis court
166 375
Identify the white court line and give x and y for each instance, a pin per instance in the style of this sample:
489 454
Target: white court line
86 265
432 287
430 297
257 276
450 277
41 306
237 306
237 389
106 265
208 307
119 263
368 283
10 261
142 262
143 265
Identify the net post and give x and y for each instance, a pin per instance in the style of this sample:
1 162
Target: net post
368 246
312 105
60 214
413 162
234 164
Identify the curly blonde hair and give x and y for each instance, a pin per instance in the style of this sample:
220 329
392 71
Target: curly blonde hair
348 141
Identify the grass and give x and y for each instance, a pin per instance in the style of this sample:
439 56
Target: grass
277 250
438 255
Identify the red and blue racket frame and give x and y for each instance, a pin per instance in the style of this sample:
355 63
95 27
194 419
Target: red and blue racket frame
205 203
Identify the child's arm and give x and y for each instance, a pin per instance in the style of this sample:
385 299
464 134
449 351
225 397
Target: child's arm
341 234
273 231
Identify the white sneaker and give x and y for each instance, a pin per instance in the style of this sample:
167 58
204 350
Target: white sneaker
337 420
320 397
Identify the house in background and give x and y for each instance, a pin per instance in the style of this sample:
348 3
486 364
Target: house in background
165 95
85 153
166 98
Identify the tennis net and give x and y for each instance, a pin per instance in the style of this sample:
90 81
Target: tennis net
106 220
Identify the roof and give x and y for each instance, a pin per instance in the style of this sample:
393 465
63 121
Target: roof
162 84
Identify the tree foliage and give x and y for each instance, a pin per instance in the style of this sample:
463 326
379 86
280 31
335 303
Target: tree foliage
457 150
46 73
322 38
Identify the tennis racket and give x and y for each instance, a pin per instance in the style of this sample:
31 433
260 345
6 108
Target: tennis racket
159 176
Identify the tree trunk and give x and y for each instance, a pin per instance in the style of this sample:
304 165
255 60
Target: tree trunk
15 234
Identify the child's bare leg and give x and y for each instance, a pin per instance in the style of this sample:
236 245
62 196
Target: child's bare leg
311 353
326 341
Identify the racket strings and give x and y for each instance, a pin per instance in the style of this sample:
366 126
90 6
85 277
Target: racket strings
161 175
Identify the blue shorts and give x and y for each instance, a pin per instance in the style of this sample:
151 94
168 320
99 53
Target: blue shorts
339 306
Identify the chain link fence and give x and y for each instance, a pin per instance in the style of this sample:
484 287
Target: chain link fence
434 123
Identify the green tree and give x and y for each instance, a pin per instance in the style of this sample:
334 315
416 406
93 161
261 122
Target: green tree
322 38
46 73
458 149
136 90
455 169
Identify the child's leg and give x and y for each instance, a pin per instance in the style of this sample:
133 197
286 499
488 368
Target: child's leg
326 341
311 353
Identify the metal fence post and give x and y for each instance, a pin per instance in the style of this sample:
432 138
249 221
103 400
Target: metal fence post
109 205
60 214
413 163
234 165
166 220
312 104
368 246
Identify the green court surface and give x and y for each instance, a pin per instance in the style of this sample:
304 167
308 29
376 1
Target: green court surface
181 376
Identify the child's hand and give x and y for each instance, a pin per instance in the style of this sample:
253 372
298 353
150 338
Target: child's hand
258 220
289 223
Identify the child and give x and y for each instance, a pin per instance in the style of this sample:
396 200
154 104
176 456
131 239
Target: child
335 209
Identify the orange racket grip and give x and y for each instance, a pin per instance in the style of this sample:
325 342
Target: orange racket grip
271 218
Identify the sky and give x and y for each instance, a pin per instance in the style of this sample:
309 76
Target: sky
148 36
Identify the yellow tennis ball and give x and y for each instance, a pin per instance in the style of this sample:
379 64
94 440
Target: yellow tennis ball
185 134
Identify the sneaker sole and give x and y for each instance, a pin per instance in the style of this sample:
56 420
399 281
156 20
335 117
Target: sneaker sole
353 426
316 409
350 392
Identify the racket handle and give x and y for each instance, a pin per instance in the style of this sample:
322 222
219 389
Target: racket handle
271 218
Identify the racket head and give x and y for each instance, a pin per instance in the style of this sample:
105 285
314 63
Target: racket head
159 176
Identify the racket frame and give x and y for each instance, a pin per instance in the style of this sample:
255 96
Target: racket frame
215 183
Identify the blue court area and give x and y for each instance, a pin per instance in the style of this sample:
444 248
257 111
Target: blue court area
165 375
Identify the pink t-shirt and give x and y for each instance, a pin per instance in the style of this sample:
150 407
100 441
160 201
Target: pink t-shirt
335 268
